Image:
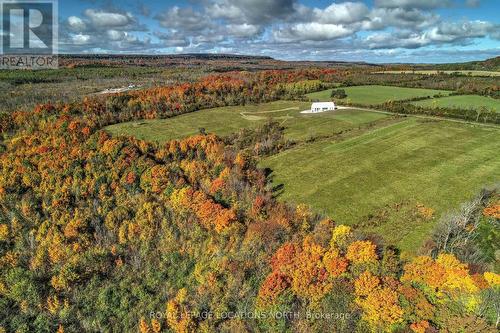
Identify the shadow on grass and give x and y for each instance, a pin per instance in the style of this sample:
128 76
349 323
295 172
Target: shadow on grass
277 189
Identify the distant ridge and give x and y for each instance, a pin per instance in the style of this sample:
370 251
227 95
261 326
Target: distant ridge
492 64
216 61
203 56
251 62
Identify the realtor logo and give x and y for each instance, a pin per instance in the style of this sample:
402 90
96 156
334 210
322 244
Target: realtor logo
29 34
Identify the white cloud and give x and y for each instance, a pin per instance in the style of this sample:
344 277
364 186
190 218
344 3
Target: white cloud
243 30
76 23
80 39
185 19
312 31
445 33
108 19
454 31
391 41
401 18
100 29
346 12
224 10
252 11
115 35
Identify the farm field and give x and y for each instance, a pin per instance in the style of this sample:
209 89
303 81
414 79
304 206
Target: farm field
375 94
227 120
462 101
434 72
389 170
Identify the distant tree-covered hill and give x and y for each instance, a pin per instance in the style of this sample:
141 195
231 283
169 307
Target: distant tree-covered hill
492 64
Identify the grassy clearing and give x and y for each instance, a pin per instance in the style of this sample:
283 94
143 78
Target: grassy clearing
379 177
371 95
227 120
434 72
462 102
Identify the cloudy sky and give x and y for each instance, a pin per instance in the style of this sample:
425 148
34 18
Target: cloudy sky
370 30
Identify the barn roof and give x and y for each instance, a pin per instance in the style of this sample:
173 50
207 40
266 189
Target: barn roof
323 104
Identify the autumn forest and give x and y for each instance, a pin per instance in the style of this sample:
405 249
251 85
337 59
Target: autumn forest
111 233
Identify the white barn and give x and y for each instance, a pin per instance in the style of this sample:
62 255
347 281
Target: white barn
322 107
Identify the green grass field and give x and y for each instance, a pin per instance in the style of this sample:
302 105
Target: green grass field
226 120
386 171
463 102
434 72
371 95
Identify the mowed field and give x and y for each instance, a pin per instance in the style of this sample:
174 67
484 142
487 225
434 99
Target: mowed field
377 177
462 102
227 120
374 94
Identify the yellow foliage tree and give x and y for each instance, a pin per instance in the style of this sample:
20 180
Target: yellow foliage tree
334 263
366 283
4 232
381 308
155 326
493 279
341 236
446 273
360 252
143 326
178 316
